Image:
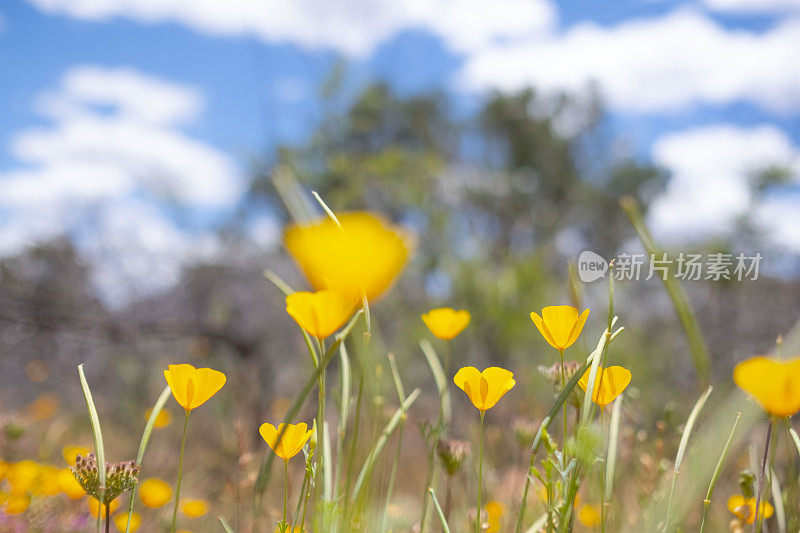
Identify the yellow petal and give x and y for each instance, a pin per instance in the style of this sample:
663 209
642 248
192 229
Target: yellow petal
446 323
542 327
69 485
774 383
609 383
363 257
320 313
468 379
500 381
578 327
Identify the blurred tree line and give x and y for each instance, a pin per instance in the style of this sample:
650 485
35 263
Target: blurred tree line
500 200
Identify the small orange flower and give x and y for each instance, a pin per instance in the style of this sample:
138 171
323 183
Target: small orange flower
121 522
608 383
163 418
445 322
94 506
192 387
560 325
194 508
320 313
155 492
485 388
16 504
774 383
292 441
746 509
363 257
69 485
589 515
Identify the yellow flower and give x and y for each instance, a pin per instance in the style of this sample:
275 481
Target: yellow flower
608 383
364 256
70 453
69 485
746 509
292 441
495 510
23 476
94 506
484 388
47 482
121 521
295 529
774 383
16 503
589 515
163 418
192 387
446 323
320 313
194 508
560 325
155 492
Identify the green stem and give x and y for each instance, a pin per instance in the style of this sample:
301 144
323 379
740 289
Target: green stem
759 514
480 481
285 488
602 480
180 472
296 513
563 383
717 471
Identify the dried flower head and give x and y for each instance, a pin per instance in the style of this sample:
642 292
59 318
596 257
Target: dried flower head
552 374
452 454
120 477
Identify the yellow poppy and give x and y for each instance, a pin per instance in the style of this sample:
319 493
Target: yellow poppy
484 388
608 383
155 492
292 441
774 383
446 323
495 510
320 313
589 515
47 481
16 504
71 453
94 506
121 522
746 509
194 508
295 529
69 485
23 476
163 418
363 257
560 325
192 387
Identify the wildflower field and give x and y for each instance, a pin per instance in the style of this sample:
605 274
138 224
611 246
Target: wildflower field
578 431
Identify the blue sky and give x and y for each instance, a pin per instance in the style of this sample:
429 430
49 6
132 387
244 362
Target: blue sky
94 92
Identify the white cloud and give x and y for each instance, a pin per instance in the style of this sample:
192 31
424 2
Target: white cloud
354 27
113 152
753 6
653 65
709 188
